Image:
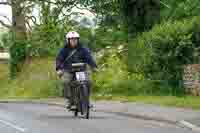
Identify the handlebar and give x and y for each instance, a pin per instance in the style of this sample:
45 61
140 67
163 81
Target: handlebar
78 64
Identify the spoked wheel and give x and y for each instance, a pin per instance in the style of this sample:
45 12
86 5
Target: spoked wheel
84 102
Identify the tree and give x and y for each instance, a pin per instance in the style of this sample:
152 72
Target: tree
140 14
179 9
108 11
18 30
21 18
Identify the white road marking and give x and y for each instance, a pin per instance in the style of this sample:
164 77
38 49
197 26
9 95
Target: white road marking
13 126
190 125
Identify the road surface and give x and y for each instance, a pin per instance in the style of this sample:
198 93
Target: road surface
42 118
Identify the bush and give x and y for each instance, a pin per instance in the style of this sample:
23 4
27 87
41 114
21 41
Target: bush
160 53
107 37
6 40
17 57
112 71
179 9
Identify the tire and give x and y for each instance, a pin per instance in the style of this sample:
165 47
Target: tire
84 101
88 112
75 96
76 113
85 110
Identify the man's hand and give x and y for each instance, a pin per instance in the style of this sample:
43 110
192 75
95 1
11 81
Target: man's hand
59 73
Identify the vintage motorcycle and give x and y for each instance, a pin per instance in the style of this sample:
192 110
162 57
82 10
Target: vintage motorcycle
80 90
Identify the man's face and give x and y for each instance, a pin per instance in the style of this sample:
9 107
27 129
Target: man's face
73 42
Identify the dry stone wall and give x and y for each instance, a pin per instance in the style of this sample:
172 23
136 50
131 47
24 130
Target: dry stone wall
192 79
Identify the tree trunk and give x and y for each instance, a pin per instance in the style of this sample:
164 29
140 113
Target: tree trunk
18 20
19 36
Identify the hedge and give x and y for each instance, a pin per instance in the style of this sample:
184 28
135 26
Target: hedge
161 53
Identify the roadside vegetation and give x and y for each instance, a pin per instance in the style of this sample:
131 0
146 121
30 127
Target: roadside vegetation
140 57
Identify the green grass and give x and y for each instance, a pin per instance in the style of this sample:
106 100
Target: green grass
37 80
191 102
3 78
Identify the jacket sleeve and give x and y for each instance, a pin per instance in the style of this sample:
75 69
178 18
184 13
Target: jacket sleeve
89 59
59 60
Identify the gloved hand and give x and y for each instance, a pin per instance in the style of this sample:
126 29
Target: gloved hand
60 73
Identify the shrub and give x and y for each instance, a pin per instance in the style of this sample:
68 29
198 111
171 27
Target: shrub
160 53
17 57
107 37
112 70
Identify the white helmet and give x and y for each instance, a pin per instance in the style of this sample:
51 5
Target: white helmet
72 34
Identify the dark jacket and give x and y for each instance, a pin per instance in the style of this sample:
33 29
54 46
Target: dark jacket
81 55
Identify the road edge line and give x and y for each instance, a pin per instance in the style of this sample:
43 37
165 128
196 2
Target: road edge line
190 125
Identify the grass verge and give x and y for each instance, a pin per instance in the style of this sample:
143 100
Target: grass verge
37 80
190 102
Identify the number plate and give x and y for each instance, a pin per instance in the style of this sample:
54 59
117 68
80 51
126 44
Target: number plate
81 76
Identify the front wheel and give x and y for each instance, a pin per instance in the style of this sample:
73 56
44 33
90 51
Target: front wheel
84 101
76 98
76 112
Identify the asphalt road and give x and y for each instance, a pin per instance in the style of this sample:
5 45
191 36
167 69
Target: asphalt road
41 118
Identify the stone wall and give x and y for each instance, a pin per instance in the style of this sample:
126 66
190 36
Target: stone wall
192 79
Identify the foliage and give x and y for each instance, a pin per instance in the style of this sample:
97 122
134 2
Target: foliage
179 9
161 53
108 10
140 15
43 40
18 54
112 70
155 58
33 81
6 39
109 37
17 49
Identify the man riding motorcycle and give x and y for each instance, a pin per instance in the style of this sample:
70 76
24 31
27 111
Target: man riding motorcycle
72 52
